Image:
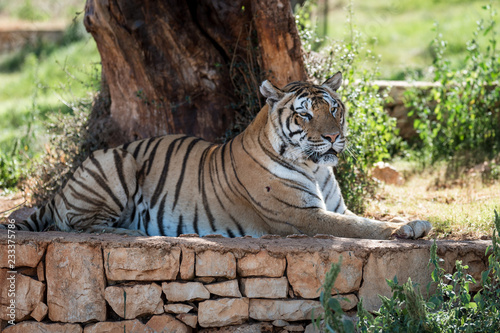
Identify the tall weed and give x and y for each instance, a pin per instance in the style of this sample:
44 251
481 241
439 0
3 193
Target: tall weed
333 319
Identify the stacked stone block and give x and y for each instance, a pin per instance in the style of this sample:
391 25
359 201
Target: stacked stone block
107 283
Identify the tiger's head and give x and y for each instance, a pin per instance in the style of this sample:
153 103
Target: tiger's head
308 121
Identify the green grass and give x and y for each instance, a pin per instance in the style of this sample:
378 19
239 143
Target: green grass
401 31
37 84
44 86
41 10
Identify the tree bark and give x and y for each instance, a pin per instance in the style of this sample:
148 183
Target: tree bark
174 66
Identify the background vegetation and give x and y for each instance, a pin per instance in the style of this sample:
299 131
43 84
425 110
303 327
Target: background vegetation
42 83
401 31
40 10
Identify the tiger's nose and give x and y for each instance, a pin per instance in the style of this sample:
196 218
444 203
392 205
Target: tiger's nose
331 137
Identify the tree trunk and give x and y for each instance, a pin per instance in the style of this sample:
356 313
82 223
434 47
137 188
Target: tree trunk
174 66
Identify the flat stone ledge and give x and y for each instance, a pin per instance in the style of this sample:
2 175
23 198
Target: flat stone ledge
278 247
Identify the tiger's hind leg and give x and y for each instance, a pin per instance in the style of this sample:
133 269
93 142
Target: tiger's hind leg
40 220
99 194
18 221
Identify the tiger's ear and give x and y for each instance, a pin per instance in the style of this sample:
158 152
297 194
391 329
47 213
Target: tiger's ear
271 92
334 82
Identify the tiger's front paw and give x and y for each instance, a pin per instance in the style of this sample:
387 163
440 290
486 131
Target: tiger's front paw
413 230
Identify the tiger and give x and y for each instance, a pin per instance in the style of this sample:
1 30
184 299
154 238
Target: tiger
276 177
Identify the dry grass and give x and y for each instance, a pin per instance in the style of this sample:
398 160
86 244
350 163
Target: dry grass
459 209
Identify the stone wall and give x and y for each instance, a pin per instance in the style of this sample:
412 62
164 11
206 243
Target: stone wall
68 282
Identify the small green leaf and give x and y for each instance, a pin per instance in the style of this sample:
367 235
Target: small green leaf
334 304
348 326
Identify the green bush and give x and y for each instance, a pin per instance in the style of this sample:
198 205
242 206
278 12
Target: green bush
372 134
9 171
460 115
69 145
452 308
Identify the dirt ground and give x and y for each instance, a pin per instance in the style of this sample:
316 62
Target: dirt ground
459 209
